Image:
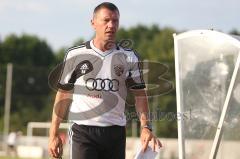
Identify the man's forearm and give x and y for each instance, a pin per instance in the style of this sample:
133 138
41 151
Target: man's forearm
142 109
62 102
54 128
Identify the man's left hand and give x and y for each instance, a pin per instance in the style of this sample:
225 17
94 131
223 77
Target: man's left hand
146 137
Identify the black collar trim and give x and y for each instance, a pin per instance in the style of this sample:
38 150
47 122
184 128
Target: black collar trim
88 46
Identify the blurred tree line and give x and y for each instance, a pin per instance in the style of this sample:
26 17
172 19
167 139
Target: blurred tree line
33 59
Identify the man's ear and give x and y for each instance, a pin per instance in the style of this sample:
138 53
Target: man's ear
92 23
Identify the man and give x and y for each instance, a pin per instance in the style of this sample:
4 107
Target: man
12 141
92 84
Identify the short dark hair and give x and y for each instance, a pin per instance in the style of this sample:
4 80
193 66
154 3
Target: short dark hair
107 5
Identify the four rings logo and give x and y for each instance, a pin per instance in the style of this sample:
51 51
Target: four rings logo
99 84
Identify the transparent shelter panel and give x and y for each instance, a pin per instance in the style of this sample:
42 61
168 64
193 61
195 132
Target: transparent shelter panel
230 143
206 64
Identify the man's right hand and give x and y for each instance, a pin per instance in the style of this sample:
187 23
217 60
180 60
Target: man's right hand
55 147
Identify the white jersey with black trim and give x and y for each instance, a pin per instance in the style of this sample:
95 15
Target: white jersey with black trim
98 80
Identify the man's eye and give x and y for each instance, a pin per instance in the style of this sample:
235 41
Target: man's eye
115 21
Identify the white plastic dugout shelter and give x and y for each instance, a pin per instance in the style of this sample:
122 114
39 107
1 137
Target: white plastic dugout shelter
208 94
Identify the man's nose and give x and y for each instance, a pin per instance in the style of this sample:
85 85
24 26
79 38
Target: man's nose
111 24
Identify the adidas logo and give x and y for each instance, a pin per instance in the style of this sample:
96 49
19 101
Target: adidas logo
84 68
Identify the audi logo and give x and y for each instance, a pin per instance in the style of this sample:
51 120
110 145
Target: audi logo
99 84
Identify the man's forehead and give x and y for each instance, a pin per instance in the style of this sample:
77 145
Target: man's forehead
104 12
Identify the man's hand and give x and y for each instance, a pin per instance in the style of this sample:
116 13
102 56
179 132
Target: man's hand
55 147
146 137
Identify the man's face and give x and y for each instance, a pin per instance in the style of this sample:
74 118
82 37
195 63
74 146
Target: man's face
105 23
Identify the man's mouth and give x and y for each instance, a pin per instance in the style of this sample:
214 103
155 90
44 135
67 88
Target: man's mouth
110 32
